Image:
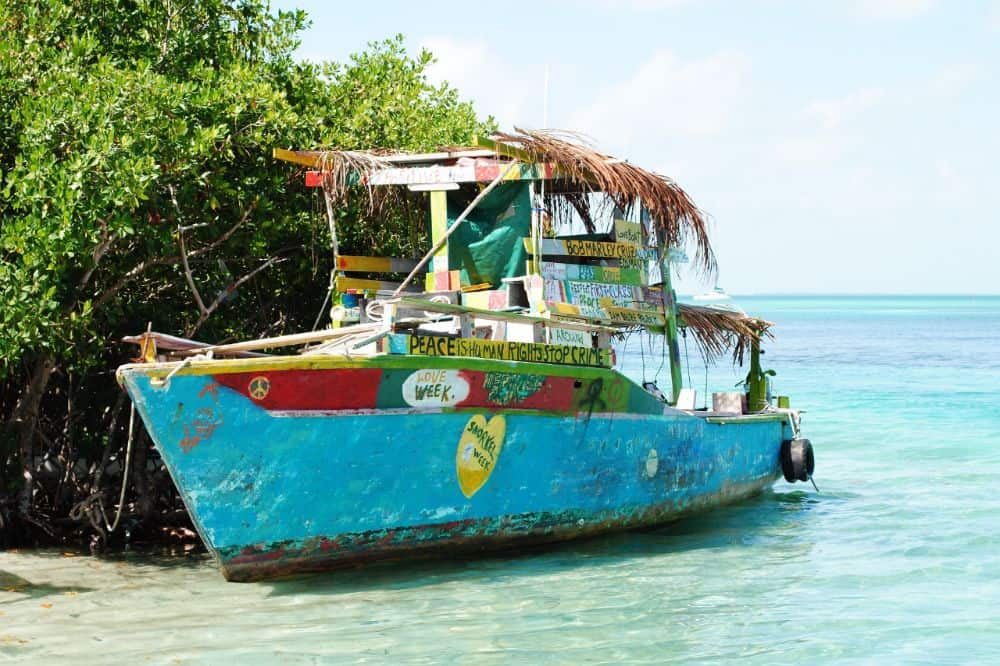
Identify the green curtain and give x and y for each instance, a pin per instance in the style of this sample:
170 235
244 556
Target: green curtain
488 246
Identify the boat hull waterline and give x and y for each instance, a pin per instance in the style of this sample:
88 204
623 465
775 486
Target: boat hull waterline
310 463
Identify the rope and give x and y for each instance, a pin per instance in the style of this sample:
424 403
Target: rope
664 354
642 355
687 357
322 308
87 506
374 310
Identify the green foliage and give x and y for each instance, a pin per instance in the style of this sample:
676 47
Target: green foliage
123 122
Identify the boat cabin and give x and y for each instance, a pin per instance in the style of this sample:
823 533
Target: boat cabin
539 248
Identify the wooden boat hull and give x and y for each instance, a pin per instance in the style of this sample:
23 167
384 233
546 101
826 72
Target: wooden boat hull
309 463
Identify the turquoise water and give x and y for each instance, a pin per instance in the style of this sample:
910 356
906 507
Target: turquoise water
896 560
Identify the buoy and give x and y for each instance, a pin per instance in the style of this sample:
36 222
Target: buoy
797 461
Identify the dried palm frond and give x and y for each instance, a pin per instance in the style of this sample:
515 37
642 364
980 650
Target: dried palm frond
343 169
717 331
678 218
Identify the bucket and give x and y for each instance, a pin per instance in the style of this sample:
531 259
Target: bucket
727 403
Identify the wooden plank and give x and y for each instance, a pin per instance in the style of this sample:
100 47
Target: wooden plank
512 317
612 315
600 295
347 262
589 248
300 157
604 274
423 175
498 350
344 283
565 336
292 340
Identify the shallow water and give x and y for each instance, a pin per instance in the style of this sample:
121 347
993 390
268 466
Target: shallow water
897 559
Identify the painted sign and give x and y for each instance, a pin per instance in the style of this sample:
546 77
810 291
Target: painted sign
593 294
432 345
478 450
504 388
435 388
608 274
565 336
590 248
629 233
422 175
612 314
259 387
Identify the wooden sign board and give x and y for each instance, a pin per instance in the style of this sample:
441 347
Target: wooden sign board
605 274
599 295
565 336
375 264
423 175
590 248
629 233
613 315
497 350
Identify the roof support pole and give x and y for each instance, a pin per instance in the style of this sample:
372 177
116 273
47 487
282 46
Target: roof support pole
439 228
670 311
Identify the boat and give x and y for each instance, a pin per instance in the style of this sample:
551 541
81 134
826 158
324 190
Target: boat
467 398
716 295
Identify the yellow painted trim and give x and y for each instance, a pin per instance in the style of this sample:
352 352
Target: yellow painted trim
295 157
219 366
342 283
347 262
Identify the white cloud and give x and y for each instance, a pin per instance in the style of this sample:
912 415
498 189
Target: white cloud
671 97
893 9
645 5
482 75
821 148
833 113
953 80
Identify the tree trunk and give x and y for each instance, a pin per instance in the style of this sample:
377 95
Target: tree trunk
23 422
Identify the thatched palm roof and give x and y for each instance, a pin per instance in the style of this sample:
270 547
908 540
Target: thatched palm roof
717 330
677 217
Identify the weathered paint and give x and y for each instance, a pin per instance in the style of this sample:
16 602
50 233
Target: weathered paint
343 284
274 491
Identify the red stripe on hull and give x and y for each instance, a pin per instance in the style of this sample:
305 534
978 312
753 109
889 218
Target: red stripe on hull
348 388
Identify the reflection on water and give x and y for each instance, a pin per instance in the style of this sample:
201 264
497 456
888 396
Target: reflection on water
895 561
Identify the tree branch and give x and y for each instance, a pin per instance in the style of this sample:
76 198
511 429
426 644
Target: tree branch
225 293
145 265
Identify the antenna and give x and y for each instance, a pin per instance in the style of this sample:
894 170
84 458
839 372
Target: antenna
545 99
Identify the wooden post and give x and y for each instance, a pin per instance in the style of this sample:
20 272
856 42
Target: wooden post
439 227
756 381
670 310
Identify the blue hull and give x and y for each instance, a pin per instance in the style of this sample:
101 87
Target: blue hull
277 491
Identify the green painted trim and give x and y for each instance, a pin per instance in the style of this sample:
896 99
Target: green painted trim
554 270
747 418
670 310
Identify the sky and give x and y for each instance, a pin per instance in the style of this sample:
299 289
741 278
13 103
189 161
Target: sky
844 146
